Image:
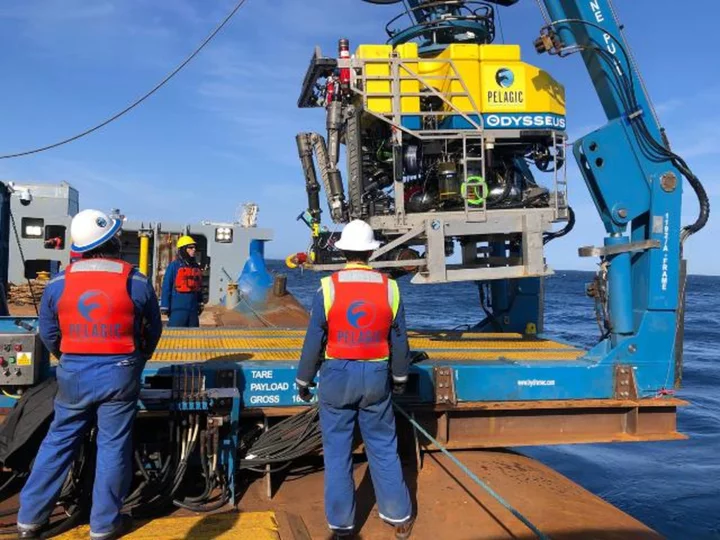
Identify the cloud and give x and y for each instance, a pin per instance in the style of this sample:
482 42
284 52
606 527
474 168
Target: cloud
107 187
696 139
132 33
669 106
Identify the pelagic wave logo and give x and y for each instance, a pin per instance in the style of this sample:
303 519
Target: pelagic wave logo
504 77
361 314
94 306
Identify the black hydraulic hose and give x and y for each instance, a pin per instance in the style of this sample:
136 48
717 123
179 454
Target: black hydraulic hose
14 476
264 471
158 485
642 132
197 508
141 466
170 473
297 439
72 521
67 492
569 226
284 445
666 154
294 437
225 497
209 483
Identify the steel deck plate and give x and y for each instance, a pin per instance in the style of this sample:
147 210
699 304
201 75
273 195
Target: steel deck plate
225 526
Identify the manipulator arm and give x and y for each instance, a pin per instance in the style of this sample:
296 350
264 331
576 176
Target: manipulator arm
330 174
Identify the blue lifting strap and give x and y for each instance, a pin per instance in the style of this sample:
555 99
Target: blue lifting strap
467 471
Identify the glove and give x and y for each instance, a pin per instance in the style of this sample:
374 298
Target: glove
418 356
304 392
399 387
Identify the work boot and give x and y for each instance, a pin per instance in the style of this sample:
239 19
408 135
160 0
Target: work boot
29 532
338 534
120 529
403 530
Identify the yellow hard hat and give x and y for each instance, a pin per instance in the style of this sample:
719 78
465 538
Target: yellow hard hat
185 241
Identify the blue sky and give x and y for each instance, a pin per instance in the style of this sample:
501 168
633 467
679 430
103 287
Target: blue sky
223 131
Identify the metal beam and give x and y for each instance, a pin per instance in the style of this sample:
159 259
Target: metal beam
398 241
530 423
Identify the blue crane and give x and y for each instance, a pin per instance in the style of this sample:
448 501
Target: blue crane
630 170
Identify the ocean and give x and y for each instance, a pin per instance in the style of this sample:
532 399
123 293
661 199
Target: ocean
674 486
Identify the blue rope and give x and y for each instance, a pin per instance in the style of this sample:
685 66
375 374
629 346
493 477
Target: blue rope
467 471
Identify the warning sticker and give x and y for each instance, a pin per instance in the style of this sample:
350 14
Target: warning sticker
24 359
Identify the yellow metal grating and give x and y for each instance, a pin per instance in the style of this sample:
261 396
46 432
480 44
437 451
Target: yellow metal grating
280 356
232 332
519 344
509 355
218 344
219 356
296 343
226 526
211 332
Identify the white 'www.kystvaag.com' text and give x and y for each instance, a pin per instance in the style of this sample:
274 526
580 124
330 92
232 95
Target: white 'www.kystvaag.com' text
536 382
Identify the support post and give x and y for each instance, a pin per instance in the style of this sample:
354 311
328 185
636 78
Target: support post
620 289
144 262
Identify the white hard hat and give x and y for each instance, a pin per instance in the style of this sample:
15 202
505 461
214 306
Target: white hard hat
357 236
92 228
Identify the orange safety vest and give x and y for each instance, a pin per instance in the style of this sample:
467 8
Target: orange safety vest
188 279
360 307
95 311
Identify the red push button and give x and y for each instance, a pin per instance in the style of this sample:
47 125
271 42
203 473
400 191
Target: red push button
18 347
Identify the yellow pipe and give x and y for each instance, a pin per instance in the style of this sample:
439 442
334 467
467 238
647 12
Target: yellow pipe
144 252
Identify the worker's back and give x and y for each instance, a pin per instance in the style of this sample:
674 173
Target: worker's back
97 307
360 306
102 319
358 319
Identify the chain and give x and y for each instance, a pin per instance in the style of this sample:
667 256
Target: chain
22 257
544 12
598 290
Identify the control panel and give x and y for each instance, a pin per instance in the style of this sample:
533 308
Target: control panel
22 354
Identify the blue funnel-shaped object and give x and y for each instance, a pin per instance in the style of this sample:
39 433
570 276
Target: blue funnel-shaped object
255 281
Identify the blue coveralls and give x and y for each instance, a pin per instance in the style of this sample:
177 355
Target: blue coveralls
183 307
350 391
104 385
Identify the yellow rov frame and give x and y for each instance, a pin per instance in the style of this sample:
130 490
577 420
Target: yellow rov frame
476 104
473 78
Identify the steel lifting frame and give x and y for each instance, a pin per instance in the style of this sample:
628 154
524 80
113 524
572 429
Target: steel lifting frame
471 225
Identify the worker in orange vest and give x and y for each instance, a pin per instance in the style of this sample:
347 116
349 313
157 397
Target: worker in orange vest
359 314
182 294
101 318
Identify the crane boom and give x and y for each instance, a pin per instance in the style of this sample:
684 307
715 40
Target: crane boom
635 181
440 127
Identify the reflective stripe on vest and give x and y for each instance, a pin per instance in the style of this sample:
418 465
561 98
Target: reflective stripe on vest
95 311
360 306
188 279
